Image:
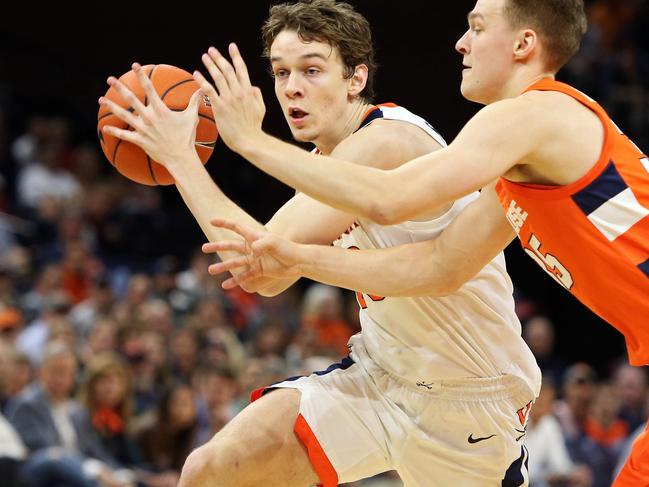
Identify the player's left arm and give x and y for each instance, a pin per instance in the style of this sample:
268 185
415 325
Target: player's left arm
435 267
499 137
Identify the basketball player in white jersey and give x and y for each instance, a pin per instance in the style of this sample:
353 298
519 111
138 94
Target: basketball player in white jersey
437 387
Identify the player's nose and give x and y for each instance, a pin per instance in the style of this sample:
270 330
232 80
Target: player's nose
293 86
462 45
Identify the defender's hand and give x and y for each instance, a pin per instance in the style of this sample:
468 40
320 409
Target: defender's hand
238 106
265 254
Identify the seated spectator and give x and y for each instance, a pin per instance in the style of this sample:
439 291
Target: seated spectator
167 441
106 394
49 422
579 387
632 388
538 332
216 390
549 462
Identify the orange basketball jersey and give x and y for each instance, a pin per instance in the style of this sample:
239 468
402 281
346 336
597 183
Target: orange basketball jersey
592 236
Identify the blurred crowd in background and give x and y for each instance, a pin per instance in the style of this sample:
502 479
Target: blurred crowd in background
119 353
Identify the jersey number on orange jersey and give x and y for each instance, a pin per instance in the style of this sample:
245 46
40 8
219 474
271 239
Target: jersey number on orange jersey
549 262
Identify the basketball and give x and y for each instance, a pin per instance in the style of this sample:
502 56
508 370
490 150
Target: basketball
175 87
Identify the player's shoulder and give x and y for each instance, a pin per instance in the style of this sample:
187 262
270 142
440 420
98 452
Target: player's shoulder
386 143
524 115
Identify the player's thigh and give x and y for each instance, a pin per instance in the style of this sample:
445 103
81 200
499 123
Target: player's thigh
259 445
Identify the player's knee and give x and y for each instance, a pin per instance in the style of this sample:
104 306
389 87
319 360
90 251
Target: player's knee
201 468
216 464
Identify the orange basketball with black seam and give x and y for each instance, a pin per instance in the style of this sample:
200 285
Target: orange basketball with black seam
175 87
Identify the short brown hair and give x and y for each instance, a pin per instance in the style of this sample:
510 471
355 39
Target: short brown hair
336 23
561 24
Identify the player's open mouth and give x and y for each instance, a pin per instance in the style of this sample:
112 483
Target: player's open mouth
297 115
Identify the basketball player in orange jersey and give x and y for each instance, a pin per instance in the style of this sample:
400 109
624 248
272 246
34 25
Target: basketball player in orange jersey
570 184
438 386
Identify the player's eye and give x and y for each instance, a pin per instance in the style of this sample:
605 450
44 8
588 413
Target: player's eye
312 71
280 73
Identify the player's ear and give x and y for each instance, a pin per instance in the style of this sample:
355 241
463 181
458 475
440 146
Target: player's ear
524 44
358 80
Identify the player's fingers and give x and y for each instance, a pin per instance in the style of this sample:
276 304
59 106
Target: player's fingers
122 113
241 279
126 135
215 72
152 97
239 66
234 245
206 86
226 69
246 232
230 283
130 98
228 265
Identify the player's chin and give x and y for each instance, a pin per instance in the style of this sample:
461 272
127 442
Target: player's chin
470 92
302 135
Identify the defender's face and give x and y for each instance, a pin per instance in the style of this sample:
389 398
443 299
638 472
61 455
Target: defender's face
487 48
309 85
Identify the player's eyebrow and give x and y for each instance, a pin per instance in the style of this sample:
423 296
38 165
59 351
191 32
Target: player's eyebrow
474 15
308 55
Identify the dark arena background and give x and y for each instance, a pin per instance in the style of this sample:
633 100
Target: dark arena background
138 244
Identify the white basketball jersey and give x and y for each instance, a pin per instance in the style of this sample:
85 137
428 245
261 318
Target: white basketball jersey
473 332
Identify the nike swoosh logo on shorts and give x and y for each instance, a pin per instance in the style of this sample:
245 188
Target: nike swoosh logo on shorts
472 440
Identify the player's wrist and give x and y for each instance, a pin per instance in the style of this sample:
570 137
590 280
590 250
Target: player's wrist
253 145
183 164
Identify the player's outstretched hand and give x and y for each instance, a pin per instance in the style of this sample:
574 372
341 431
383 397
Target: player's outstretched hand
163 134
238 106
265 254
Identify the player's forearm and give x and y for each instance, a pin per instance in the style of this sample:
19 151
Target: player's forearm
206 200
407 270
357 190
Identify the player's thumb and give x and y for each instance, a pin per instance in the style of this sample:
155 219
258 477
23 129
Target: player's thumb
196 98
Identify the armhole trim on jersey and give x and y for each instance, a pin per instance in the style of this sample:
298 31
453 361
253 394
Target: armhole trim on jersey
550 192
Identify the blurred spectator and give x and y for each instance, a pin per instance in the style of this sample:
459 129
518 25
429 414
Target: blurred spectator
270 340
46 177
97 306
19 372
631 388
145 352
549 461
579 388
86 165
538 332
216 390
11 323
106 395
49 422
195 287
183 355
101 338
604 427
322 311
222 349
167 441
32 339
49 282
24 147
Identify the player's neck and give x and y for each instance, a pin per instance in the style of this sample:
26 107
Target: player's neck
347 125
524 80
